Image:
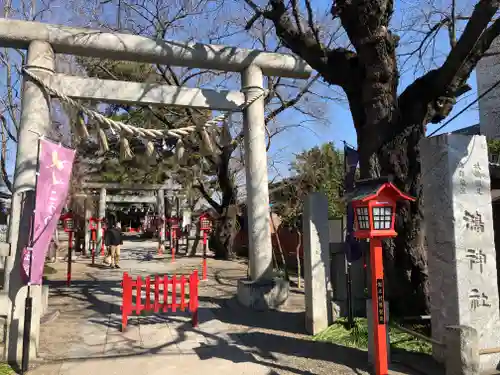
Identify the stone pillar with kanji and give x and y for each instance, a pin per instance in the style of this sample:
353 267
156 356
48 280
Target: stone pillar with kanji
460 240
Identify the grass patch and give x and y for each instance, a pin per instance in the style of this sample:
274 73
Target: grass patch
357 337
5 369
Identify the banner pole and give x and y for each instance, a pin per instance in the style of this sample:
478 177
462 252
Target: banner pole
28 303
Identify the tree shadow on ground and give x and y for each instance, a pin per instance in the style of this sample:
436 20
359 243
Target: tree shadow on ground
270 336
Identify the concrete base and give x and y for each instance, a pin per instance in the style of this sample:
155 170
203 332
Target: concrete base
16 327
263 295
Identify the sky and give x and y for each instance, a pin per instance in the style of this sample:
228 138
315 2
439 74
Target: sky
338 126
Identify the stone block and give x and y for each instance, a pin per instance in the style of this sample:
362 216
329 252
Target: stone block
461 252
263 294
461 351
45 299
317 286
369 317
14 332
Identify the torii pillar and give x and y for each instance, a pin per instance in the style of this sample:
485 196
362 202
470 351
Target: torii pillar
35 122
160 196
262 291
101 217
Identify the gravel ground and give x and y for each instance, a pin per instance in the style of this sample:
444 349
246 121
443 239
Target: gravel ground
276 339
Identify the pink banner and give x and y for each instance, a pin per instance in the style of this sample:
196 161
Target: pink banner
55 163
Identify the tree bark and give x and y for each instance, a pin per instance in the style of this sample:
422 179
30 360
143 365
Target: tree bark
221 242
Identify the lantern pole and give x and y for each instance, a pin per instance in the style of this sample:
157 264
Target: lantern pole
177 230
204 270
378 307
70 250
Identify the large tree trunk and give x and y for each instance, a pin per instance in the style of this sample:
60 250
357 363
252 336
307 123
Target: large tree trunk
388 140
221 242
405 257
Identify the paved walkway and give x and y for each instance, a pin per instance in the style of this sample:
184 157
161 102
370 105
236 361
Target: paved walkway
85 339
155 344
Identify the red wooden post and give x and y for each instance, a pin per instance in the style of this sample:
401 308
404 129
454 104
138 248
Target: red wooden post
183 293
193 297
92 250
157 294
173 239
174 293
165 293
204 269
126 299
138 303
70 250
147 307
378 307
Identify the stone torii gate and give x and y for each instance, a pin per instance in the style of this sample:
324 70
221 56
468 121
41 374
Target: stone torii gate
43 41
103 188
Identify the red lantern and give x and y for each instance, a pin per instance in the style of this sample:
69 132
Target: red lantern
174 223
375 209
68 222
93 223
205 224
374 205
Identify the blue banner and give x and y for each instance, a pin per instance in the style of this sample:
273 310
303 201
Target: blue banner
353 250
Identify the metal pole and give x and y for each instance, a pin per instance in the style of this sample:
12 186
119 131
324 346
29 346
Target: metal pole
350 314
70 250
28 304
378 307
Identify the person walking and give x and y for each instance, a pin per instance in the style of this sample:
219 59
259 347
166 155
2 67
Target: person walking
114 239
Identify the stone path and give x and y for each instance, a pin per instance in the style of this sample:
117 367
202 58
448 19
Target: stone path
89 340
86 339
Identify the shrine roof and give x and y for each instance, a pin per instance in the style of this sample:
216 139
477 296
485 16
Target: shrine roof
370 189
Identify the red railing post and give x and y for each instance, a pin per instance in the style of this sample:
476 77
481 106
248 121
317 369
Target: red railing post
174 293
165 293
126 306
193 297
138 303
183 293
157 294
147 307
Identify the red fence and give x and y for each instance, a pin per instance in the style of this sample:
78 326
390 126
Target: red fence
161 291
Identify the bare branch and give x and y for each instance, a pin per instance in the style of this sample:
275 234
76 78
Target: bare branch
207 197
3 156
